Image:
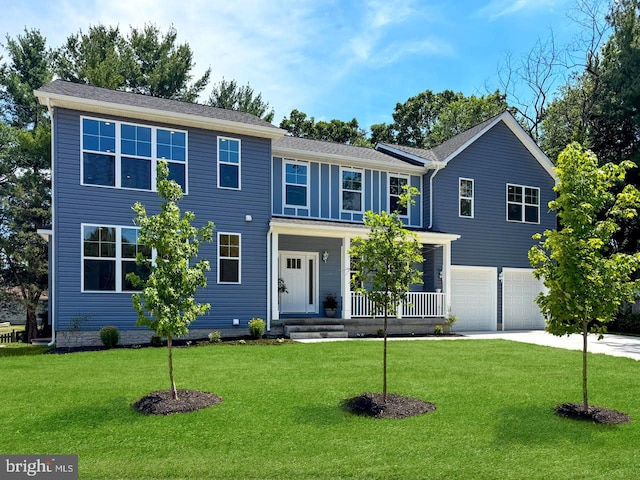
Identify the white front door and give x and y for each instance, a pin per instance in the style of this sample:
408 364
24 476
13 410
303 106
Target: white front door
299 272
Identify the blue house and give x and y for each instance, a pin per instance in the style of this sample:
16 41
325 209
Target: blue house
286 210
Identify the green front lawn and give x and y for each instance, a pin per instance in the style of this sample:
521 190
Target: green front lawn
280 417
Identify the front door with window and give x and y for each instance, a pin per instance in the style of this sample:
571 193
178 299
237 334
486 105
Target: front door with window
299 272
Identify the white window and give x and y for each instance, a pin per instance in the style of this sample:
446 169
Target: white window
125 155
396 183
229 267
108 255
523 204
351 187
465 198
229 160
296 184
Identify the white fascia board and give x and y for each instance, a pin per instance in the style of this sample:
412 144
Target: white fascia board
343 160
45 233
283 227
161 116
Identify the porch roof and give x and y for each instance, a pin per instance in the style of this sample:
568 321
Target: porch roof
325 228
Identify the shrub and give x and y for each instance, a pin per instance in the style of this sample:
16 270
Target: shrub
156 341
625 323
109 336
438 330
215 337
256 327
380 332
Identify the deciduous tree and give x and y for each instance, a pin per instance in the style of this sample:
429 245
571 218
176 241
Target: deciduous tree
227 94
586 279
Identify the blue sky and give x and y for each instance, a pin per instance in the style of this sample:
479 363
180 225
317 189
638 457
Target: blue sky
330 59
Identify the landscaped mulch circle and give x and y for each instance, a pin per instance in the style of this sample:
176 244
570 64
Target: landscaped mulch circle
595 414
162 402
396 406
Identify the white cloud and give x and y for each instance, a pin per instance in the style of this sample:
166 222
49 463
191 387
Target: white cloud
501 8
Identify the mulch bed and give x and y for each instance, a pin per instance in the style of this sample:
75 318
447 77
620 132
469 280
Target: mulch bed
595 414
396 406
162 402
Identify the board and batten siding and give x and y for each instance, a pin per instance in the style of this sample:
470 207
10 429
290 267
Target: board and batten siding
494 160
76 205
324 194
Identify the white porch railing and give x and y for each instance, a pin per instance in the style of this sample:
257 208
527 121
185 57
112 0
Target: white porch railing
415 304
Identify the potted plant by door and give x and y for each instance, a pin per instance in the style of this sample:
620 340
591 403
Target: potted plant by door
330 305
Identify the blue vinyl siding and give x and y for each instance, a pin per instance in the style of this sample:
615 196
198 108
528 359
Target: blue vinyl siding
315 190
76 204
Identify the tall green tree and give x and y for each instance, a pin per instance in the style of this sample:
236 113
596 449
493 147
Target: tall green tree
167 303
586 279
146 61
385 265
350 133
25 164
228 94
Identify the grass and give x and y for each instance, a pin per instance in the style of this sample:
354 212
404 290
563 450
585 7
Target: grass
281 418
17 328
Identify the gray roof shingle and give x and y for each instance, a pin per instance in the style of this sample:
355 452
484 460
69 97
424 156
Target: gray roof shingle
84 91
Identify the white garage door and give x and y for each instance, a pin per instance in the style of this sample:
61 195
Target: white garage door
519 290
474 298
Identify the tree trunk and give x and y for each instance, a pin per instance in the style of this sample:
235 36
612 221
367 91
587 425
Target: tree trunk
384 359
31 327
174 392
585 332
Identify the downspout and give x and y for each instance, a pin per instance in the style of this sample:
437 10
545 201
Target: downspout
437 169
52 245
269 233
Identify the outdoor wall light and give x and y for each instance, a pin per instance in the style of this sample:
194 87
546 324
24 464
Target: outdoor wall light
236 322
440 274
501 276
325 256
248 218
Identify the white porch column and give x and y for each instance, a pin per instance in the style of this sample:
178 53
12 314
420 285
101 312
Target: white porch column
446 276
275 303
345 266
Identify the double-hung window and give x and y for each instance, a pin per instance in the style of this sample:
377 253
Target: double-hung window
296 184
465 198
396 185
523 204
229 258
351 190
229 157
125 155
108 255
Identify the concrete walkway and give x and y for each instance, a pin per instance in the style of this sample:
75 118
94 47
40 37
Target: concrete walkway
615 345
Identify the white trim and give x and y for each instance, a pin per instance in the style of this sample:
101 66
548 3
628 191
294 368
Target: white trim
524 204
118 258
307 186
361 191
471 198
156 115
220 257
408 179
118 155
239 164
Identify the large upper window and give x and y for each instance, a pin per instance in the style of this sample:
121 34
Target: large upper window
229 163
396 185
351 190
296 184
124 155
523 204
108 254
228 258
465 198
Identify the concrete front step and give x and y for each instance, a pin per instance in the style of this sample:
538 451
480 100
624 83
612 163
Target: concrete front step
307 335
312 328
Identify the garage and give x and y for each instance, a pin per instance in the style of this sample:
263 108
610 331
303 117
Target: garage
519 290
474 297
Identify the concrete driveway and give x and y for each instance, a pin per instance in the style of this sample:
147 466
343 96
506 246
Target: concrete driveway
615 345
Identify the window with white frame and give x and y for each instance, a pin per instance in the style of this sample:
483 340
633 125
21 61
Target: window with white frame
351 190
465 198
229 157
523 204
396 184
125 155
229 258
108 255
296 183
